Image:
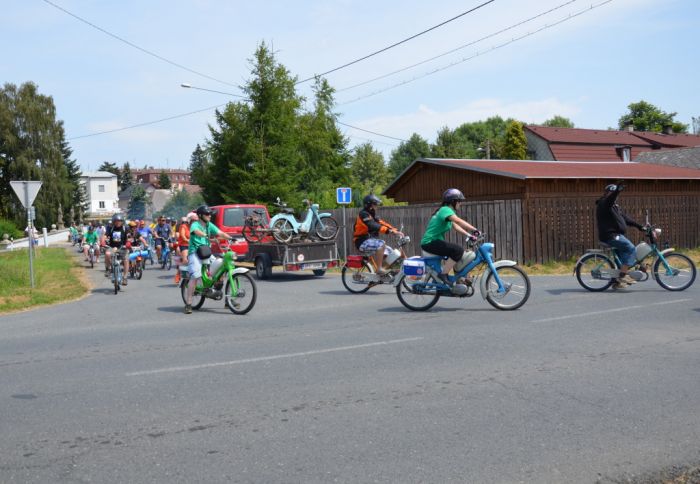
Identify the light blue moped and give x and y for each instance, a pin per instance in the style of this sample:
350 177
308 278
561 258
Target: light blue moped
285 226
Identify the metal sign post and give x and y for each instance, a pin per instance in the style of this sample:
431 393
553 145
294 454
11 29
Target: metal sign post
26 192
344 197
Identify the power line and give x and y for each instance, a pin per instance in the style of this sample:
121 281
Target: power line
478 54
372 140
457 48
131 44
396 43
147 123
371 132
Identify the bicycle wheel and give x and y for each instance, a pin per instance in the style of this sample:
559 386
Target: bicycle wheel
139 272
680 274
352 278
240 296
251 233
591 272
196 303
413 293
282 231
169 261
517 288
92 260
116 275
329 229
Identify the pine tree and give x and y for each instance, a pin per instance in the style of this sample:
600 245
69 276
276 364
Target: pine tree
125 177
110 168
515 144
137 203
198 165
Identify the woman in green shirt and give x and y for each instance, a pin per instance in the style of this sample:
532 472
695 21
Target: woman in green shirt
444 219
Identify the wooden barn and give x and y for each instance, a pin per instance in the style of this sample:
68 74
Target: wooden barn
545 210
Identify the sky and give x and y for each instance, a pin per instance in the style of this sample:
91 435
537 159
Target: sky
588 68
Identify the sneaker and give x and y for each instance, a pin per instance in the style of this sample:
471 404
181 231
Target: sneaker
124 282
628 280
188 309
620 284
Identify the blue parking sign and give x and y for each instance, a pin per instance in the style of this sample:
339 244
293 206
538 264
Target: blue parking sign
343 196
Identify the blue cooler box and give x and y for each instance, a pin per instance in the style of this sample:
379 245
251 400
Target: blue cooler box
415 266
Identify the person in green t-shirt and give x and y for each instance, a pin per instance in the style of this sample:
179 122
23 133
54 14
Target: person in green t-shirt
200 233
91 239
444 219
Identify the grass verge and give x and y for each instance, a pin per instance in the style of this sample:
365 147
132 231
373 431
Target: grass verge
57 278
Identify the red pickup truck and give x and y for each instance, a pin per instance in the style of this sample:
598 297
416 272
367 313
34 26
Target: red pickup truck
230 219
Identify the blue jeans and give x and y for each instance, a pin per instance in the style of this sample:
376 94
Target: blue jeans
624 248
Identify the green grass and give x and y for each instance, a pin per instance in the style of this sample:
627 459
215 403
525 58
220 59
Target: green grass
57 278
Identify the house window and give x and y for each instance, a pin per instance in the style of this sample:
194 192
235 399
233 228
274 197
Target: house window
102 204
626 153
100 188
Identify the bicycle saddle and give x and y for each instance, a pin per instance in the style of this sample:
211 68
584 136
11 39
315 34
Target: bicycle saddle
426 255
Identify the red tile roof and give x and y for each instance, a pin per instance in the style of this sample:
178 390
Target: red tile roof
672 140
569 169
614 137
591 152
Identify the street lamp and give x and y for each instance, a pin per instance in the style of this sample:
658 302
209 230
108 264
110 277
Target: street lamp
187 85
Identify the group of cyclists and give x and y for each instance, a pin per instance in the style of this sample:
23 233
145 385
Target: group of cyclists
611 220
135 235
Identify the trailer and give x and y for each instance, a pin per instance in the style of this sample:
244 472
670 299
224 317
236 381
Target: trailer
317 256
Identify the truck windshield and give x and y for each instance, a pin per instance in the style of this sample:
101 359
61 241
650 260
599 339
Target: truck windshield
234 217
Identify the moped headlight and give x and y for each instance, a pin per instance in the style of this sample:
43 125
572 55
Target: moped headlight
657 231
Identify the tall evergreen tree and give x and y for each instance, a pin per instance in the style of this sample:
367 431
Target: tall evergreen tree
255 147
137 203
110 168
198 166
126 177
407 152
31 148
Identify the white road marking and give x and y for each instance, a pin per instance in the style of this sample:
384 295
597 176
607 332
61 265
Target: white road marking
615 310
270 358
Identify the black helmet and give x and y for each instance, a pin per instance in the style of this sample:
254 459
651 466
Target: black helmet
203 210
117 217
371 199
452 195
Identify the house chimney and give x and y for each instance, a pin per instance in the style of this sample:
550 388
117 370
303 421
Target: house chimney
630 127
668 129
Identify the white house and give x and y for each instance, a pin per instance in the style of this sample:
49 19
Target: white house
102 190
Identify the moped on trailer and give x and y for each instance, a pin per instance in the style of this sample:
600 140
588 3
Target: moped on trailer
284 226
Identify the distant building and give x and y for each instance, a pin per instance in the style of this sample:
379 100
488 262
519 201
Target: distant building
102 189
125 198
683 157
568 144
178 178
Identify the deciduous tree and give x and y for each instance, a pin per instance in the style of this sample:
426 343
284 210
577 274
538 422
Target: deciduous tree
644 116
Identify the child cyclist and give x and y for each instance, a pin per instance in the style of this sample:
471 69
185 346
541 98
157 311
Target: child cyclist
444 219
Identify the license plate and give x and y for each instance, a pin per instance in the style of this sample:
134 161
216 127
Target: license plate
317 265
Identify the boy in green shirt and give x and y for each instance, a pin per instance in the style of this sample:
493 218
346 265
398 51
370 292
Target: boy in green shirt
91 239
200 232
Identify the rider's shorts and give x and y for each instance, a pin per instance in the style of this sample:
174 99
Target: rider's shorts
371 245
160 243
624 248
195 266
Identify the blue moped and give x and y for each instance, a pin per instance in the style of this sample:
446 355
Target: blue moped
284 226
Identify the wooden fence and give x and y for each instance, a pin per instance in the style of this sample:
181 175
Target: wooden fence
547 228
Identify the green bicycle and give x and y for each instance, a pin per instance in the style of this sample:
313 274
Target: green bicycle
221 279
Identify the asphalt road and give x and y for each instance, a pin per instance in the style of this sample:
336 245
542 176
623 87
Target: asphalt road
318 385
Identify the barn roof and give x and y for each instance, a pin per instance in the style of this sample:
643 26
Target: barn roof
527 169
590 136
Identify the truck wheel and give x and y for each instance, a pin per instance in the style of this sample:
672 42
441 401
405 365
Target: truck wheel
263 266
319 272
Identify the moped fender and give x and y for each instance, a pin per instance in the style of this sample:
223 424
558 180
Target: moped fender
485 275
666 251
240 270
324 214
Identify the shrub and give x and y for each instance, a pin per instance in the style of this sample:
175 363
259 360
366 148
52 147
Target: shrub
8 227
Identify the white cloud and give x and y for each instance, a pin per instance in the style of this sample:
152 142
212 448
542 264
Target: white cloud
427 121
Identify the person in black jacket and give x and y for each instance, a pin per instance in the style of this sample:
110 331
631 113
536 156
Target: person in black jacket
612 225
